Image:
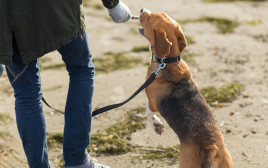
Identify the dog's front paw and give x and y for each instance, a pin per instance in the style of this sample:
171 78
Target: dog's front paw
157 125
159 128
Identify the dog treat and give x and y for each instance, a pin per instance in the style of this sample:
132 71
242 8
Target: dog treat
135 17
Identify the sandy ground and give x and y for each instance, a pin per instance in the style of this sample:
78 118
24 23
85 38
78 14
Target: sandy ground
241 56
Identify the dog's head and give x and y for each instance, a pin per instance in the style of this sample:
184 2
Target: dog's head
164 34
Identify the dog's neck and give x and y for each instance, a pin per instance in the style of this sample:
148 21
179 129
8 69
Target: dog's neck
175 72
166 60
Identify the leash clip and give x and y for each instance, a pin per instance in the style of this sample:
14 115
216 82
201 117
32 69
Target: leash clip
160 67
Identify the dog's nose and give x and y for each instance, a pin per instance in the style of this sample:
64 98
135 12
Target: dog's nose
145 11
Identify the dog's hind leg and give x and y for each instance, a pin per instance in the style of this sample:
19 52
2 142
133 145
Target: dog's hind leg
154 121
208 156
189 156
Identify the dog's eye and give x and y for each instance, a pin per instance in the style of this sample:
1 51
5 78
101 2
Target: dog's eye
148 18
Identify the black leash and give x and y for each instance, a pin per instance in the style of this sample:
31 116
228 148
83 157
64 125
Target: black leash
154 75
113 106
147 82
161 66
43 99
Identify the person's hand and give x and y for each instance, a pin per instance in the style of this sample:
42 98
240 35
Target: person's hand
120 13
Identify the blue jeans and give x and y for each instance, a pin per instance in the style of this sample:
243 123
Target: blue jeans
29 108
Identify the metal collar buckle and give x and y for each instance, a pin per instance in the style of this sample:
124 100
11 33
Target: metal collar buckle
178 58
163 61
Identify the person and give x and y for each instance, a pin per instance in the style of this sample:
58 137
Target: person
30 29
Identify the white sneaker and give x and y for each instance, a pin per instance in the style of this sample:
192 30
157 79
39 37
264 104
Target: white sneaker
89 164
97 165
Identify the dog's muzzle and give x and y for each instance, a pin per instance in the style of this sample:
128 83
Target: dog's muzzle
145 10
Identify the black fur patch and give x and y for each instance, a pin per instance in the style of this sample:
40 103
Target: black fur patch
188 114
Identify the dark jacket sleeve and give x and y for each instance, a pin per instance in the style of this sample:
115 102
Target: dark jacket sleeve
110 3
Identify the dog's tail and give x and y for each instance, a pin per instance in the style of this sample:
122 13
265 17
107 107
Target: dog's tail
207 155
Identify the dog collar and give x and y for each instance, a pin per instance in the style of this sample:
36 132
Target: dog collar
166 60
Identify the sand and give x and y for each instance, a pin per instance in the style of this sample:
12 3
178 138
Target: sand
240 56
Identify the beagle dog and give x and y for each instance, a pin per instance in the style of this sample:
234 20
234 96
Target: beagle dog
175 95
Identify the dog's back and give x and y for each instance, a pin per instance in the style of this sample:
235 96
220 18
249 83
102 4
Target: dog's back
188 114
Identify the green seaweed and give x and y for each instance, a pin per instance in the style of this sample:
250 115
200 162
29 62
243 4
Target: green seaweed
218 97
115 61
223 25
190 40
115 140
233 0
131 124
253 22
4 119
53 88
109 144
169 154
188 57
140 49
98 6
53 66
43 60
4 135
55 140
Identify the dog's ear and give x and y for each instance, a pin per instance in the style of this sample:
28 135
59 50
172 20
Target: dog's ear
161 43
181 39
182 43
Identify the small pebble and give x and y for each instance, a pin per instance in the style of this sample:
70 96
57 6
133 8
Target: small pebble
228 131
244 136
265 101
253 131
139 115
248 115
246 103
237 113
244 154
245 95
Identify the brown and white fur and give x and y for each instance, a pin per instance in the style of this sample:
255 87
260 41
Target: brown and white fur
175 95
